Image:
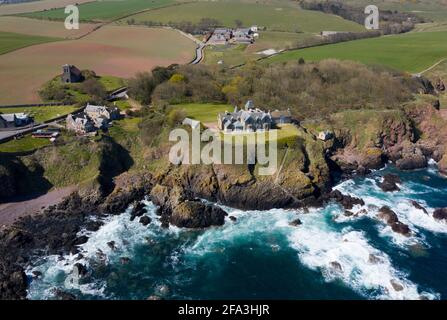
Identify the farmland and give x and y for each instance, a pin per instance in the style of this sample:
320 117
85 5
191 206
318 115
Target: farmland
108 51
12 41
280 17
43 28
435 10
103 10
42 113
412 52
36 6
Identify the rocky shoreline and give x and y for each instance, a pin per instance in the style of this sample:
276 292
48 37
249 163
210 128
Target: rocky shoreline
306 180
55 230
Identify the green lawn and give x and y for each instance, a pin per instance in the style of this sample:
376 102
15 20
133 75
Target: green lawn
12 41
412 52
284 16
204 112
111 83
27 143
41 114
102 10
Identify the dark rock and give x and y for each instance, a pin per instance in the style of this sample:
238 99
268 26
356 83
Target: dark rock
138 210
418 206
388 215
373 259
111 245
295 223
401 228
396 285
336 266
80 269
440 214
145 220
346 201
62 295
348 213
80 240
390 182
412 158
124 260
37 274
232 218
195 214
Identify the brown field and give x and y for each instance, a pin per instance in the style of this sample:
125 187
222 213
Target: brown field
36 6
43 27
111 50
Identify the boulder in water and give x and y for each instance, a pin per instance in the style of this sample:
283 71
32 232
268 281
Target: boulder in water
390 182
401 228
295 223
440 214
145 220
232 218
418 206
396 285
336 266
388 215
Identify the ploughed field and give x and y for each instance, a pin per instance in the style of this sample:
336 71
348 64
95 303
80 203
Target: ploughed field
103 10
43 27
412 52
36 6
111 50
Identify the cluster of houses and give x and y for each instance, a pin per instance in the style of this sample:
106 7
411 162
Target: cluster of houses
14 120
222 36
92 119
251 119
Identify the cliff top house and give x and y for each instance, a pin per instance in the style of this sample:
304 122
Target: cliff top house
12 120
251 119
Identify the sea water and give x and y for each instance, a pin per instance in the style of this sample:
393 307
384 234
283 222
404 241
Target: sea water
261 256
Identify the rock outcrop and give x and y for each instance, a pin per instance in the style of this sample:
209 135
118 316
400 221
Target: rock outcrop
390 182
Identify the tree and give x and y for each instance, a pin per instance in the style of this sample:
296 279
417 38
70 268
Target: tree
94 88
141 87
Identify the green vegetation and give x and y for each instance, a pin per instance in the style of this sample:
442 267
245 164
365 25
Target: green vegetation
204 112
111 83
273 16
43 113
412 52
25 144
102 10
435 10
12 41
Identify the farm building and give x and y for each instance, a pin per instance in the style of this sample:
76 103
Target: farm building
71 74
13 120
251 119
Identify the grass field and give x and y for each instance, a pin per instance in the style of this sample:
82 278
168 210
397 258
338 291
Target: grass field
12 41
280 17
27 143
412 52
43 28
41 114
435 10
111 83
111 50
36 6
204 112
103 10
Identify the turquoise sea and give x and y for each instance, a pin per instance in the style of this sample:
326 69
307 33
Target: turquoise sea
260 256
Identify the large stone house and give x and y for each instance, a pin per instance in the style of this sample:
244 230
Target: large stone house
101 115
13 120
80 123
251 119
92 119
71 74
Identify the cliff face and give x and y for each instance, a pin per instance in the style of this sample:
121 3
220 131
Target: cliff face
366 139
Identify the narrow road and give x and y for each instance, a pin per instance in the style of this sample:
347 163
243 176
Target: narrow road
432 67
